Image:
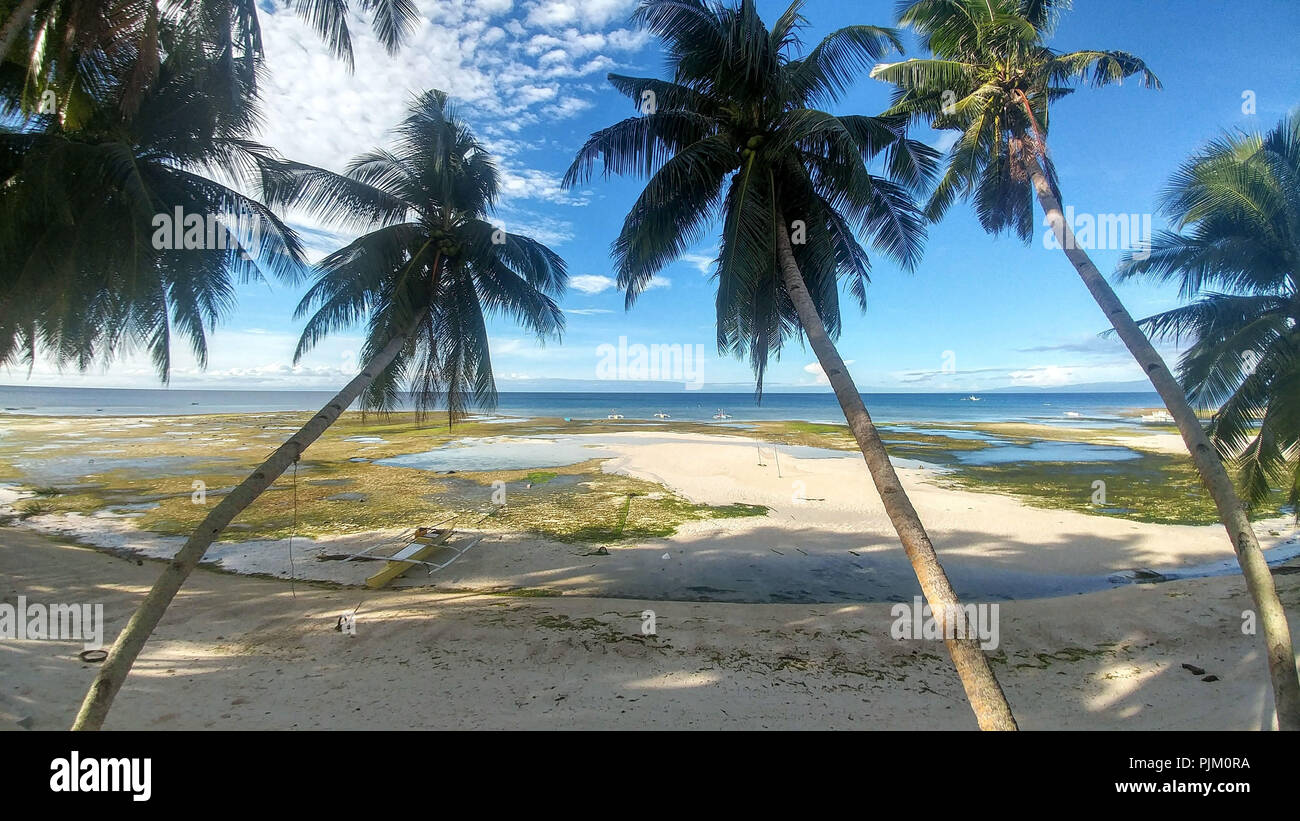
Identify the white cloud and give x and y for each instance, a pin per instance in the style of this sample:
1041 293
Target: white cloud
543 228
819 375
494 7
503 77
587 311
587 13
595 283
1045 376
591 283
704 262
528 183
568 106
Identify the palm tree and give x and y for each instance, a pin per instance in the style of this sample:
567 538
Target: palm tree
423 277
737 133
84 270
992 79
1235 206
66 45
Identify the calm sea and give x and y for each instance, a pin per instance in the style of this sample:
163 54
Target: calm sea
1064 408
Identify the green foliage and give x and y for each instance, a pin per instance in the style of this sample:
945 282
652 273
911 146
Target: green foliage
28 509
1236 205
991 78
115 112
430 266
738 135
83 185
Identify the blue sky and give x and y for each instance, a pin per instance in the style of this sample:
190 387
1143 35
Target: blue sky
529 76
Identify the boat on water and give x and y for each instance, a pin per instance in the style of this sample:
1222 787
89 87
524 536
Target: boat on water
662 415
971 398
721 414
1160 417
614 415
1073 413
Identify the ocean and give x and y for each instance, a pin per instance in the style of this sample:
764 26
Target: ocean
1096 409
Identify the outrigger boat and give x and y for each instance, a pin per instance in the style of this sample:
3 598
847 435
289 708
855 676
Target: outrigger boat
414 549
662 415
721 414
613 415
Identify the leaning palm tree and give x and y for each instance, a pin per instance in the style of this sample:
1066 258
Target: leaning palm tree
430 267
737 133
89 264
992 79
1236 208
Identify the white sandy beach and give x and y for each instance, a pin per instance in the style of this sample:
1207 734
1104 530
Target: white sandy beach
244 652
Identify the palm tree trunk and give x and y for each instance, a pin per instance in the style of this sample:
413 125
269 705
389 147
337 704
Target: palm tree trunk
1272 618
986 697
99 698
14 24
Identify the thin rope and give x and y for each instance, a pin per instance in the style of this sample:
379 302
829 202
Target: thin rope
293 571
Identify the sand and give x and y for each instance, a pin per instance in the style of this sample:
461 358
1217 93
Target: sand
243 653
805 651
825 538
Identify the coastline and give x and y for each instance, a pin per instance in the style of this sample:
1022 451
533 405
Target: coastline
762 550
760 512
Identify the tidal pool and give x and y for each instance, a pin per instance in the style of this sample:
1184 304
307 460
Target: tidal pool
1046 452
62 469
514 453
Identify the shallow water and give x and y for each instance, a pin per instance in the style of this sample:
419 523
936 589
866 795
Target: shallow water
516 453
60 469
542 451
1046 452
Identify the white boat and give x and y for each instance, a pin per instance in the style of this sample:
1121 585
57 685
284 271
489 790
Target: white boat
721 414
662 415
1160 417
1073 413
971 398
613 415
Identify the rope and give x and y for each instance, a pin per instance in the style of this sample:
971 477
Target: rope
293 571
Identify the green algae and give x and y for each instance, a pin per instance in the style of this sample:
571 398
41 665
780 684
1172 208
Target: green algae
577 503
